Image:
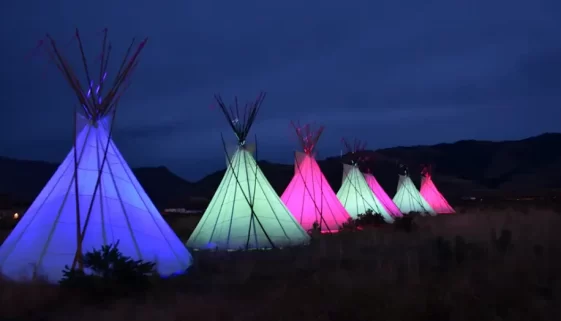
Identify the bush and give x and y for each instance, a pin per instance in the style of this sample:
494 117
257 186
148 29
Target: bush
108 273
405 223
367 219
349 226
502 243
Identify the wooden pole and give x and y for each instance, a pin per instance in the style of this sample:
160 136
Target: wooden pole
79 254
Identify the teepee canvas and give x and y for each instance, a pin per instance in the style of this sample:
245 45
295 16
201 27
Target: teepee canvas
381 195
355 194
308 196
408 199
431 194
245 212
93 199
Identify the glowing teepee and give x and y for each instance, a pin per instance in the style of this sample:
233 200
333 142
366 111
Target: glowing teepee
408 199
93 199
382 195
309 197
245 212
431 194
355 194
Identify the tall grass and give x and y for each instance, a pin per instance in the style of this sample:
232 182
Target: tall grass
374 274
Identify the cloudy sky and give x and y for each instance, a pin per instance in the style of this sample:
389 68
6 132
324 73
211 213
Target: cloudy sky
391 72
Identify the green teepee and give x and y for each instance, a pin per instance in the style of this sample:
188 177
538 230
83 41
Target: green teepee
408 199
355 194
357 197
245 212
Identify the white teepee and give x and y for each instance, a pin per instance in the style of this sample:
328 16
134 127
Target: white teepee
408 199
357 197
308 196
245 212
93 199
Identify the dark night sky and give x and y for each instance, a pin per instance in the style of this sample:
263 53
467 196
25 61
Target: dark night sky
395 72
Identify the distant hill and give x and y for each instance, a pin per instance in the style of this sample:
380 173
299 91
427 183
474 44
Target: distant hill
469 167
23 180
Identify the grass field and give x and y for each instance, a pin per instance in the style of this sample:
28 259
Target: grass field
472 273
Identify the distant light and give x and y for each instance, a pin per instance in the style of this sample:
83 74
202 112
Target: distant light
16 216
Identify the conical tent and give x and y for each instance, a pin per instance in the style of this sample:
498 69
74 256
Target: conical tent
382 195
408 199
431 194
357 197
308 196
355 194
93 199
245 212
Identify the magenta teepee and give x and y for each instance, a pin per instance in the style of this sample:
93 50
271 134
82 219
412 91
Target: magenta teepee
382 195
431 194
309 197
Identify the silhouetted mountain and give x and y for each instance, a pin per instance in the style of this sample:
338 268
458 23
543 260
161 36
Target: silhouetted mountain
24 179
467 167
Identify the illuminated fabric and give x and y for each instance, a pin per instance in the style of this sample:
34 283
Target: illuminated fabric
357 197
408 199
246 212
45 240
310 198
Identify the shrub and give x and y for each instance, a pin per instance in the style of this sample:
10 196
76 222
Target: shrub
349 226
503 243
109 273
405 223
369 218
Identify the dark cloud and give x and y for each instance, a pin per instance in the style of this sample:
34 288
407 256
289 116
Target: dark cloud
392 72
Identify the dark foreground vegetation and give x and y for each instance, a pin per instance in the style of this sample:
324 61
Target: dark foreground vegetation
480 264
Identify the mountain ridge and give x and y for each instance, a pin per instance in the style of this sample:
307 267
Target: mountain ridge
531 165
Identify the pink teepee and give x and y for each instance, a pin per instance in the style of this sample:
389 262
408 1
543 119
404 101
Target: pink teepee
309 197
431 194
381 195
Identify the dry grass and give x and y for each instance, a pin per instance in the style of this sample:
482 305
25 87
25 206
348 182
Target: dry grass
370 275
